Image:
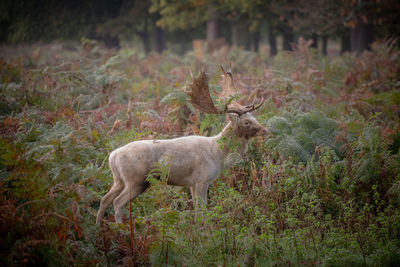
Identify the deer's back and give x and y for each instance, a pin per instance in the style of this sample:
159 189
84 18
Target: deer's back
182 156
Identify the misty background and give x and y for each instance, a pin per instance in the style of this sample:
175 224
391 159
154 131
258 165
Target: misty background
179 26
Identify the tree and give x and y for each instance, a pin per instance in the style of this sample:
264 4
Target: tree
264 12
182 15
236 14
369 18
213 23
160 35
28 21
134 18
192 14
311 19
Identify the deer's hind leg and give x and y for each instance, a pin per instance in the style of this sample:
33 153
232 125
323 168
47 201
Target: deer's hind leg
115 190
130 192
108 199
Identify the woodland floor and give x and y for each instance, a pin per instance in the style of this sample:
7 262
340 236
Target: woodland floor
322 190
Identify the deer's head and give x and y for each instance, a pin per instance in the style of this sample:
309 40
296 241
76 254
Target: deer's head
243 122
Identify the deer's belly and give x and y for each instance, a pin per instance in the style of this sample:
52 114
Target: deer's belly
179 171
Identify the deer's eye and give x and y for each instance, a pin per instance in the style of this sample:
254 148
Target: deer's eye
246 123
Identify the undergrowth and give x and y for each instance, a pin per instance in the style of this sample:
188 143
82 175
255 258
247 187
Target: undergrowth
322 189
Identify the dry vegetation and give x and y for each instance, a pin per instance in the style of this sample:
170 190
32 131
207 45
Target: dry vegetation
322 189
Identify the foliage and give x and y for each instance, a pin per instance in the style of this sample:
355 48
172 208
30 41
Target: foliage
299 136
379 69
322 189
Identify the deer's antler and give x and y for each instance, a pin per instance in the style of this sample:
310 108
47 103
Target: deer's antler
201 99
229 89
227 84
235 107
200 94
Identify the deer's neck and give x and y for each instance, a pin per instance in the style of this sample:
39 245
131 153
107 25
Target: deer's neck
229 142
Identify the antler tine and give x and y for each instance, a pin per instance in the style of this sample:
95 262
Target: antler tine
250 106
229 71
258 106
247 109
222 68
227 83
240 113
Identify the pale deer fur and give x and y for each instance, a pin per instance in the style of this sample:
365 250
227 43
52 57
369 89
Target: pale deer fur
193 161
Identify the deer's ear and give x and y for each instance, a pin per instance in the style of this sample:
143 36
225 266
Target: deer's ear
233 117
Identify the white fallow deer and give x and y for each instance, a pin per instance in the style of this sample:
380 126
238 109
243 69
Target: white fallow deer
194 161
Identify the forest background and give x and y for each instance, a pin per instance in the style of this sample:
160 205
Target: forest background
79 79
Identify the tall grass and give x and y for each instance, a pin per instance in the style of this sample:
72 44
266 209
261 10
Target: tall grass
322 189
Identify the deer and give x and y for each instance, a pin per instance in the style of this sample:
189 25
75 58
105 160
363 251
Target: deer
194 161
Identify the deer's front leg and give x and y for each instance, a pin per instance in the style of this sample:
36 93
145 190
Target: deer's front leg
192 192
200 194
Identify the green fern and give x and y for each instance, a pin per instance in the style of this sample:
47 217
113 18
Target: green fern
297 135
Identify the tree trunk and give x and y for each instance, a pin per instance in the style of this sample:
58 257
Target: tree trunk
240 35
361 37
272 42
256 40
160 36
235 34
345 42
314 38
144 35
247 40
146 41
288 38
325 45
213 30
213 38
